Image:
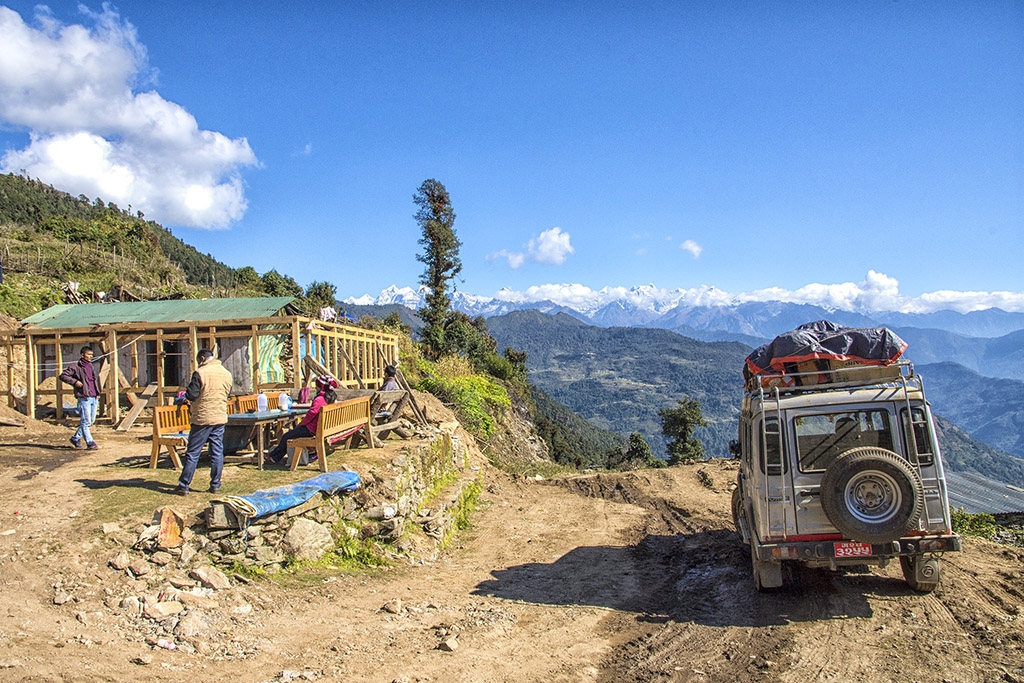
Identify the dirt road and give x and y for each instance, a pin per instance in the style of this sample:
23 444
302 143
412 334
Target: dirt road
629 577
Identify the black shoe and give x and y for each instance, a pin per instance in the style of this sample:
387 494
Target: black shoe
75 443
214 489
181 491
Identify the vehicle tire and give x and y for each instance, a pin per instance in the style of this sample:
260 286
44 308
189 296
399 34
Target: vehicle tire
737 513
872 495
908 563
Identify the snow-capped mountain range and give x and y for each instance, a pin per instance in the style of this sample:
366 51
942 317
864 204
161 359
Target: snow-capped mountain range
714 315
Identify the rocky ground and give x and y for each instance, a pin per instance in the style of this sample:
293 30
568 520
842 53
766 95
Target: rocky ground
627 577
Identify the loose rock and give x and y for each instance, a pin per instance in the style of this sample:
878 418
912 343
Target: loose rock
211 577
120 561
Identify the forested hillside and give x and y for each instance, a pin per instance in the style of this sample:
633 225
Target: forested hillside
619 378
571 439
990 410
49 238
961 453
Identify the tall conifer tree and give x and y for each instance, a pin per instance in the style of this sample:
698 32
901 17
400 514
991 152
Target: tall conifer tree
440 255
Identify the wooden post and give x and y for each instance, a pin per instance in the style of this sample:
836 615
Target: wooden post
134 365
59 400
160 365
296 354
30 377
193 342
114 380
10 370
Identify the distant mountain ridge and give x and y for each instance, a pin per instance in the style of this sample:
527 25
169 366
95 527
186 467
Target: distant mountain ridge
990 342
649 307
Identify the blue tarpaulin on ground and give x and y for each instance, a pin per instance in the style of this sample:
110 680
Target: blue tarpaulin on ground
282 498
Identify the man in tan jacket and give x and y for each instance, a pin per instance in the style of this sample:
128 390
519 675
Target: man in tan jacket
207 397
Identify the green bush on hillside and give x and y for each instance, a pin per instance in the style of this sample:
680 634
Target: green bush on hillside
476 399
982 524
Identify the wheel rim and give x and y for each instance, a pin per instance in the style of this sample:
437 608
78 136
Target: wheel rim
873 496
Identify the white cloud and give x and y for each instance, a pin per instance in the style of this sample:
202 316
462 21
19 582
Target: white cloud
692 247
877 292
92 132
515 259
551 246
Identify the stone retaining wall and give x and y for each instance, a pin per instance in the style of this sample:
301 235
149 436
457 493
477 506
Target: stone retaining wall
409 505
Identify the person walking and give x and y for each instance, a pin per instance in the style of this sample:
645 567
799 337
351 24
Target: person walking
207 398
82 376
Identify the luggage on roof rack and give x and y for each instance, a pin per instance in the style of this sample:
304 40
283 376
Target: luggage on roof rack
824 352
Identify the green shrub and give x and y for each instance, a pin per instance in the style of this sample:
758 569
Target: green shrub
475 399
982 524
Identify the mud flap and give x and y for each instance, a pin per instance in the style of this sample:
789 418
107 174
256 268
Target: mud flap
767 575
926 570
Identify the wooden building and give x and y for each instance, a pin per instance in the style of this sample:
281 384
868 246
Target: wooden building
150 347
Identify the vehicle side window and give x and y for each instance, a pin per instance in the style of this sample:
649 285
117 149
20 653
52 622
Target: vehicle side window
921 450
772 462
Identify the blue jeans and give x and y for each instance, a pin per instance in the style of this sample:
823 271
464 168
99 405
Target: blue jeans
86 416
199 436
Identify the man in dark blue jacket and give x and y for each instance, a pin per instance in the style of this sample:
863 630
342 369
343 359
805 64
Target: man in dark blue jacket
82 377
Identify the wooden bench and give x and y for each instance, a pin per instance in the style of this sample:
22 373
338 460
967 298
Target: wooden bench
170 429
338 422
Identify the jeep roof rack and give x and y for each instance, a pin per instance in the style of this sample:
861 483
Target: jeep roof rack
845 377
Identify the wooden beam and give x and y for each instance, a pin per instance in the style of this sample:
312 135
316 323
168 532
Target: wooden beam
255 360
296 344
59 400
30 377
138 405
115 381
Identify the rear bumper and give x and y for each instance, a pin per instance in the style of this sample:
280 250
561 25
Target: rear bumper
826 550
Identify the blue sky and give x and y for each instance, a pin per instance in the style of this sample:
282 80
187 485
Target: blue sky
786 149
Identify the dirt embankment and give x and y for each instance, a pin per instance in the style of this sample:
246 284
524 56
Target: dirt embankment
628 577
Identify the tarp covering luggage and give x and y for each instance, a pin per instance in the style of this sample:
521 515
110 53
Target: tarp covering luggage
824 341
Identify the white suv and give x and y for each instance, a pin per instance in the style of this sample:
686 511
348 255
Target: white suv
842 468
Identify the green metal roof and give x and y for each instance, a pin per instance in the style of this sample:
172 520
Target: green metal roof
70 316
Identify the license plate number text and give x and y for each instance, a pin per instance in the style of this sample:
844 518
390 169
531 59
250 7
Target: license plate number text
852 549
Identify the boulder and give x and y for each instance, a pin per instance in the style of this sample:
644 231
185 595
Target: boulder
308 540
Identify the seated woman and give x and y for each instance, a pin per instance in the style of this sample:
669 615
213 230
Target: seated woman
325 386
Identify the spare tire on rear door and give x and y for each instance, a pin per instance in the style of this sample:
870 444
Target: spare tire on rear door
872 495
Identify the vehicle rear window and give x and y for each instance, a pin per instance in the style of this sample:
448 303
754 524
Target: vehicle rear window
822 438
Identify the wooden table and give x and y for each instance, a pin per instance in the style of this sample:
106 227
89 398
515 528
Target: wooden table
240 428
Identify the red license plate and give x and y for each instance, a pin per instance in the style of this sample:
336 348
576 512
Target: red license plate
852 549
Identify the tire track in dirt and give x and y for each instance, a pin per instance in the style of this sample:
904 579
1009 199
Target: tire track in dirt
700 618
